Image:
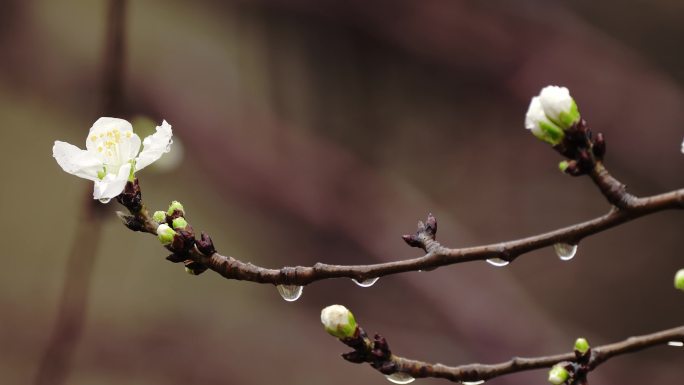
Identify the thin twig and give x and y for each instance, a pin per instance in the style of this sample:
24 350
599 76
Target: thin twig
436 255
377 353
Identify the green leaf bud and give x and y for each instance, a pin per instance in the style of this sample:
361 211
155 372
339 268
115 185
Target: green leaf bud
179 223
175 206
159 216
558 375
581 345
679 280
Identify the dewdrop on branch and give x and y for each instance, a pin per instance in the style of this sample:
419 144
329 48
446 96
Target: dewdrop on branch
290 293
400 378
112 155
551 113
338 321
565 251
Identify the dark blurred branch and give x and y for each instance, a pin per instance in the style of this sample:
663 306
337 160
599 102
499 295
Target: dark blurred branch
185 248
376 352
55 363
114 59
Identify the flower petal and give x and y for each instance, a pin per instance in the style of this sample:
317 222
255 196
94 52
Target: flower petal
154 146
555 101
76 161
104 125
535 114
128 147
112 185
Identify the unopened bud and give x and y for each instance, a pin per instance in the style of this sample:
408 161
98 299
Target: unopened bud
179 223
599 148
165 234
338 321
412 240
159 216
175 206
205 245
431 225
558 375
581 345
679 280
551 113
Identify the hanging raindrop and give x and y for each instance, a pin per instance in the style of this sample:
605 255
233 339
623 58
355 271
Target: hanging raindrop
367 282
565 251
400 378
290 293
498 262
105 200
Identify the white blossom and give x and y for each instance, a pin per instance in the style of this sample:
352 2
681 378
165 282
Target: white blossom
112 155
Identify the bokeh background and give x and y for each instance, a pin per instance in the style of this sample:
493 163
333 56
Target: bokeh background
322 130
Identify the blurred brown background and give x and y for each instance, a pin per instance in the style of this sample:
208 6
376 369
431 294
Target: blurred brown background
322 130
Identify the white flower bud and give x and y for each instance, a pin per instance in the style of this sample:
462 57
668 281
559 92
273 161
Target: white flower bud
550 113
338 321
559 106
165 234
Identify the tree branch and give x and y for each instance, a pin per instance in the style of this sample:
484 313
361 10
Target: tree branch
626 208
55 362
376 352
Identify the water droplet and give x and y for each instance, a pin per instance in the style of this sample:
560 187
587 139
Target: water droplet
168 146
677 344
366 283
565 251
472 382
400 378
498 262
290 293
105 200
428 269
